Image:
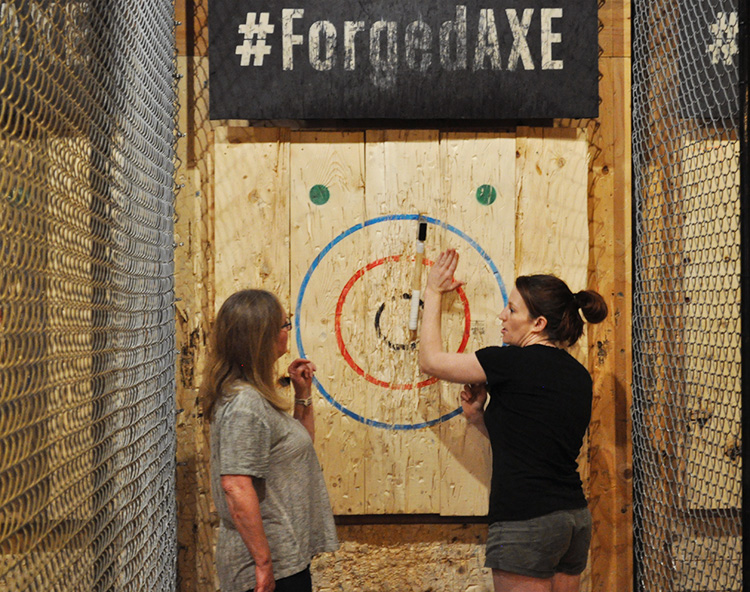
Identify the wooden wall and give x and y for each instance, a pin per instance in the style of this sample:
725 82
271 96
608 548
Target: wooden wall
246 217
387 441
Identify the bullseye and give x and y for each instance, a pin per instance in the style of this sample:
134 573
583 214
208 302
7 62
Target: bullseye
394 346
387 338
342 344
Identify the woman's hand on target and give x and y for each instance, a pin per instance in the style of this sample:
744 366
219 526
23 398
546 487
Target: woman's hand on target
440 279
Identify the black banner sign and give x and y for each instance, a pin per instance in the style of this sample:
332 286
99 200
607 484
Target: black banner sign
403 59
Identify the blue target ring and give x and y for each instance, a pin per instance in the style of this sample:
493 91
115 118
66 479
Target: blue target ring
314 265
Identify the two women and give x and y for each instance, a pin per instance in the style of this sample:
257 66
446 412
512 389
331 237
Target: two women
266 480
536 419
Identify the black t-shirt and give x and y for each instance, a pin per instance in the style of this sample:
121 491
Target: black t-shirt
539 410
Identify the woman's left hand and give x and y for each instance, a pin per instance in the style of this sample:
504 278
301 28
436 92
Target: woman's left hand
301 373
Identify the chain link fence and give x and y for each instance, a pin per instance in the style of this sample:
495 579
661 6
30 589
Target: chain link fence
686 327
87 347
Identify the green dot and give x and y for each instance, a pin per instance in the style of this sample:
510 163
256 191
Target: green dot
319 194
486 194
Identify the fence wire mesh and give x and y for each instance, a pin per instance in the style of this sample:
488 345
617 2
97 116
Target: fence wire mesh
87 429
686 326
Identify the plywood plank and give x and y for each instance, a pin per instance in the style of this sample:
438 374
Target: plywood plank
552 217
194 276
190 270
478 172
614 34
251 211
191 34
552 230
327 198
403 178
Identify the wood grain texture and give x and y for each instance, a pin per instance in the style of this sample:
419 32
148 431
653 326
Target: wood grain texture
194 289
551 232
476 168
403 175
610 455
614 34
335 161
252 212
707 563
609 349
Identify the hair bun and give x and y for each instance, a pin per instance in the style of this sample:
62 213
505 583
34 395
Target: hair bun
592 305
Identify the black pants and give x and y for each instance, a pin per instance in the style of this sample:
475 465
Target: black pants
299 582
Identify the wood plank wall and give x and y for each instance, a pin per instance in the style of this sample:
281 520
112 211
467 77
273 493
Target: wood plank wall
390 454
202 248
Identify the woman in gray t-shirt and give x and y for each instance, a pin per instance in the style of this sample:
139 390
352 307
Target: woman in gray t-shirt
266 480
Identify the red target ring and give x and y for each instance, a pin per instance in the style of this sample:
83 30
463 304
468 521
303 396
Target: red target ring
345 352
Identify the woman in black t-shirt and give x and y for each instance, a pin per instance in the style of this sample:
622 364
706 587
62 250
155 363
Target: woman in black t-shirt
536 419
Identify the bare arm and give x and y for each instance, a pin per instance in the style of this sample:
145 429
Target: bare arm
453 367
301 373
244 506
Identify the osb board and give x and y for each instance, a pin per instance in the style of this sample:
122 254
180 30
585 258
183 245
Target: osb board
389 438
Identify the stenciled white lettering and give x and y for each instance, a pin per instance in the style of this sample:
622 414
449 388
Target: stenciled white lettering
351 28
384 63
288 38
455 29
549 38
419 42
322 55
520 47
418 39
488 45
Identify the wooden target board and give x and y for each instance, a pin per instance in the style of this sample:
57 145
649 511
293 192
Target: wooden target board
391 439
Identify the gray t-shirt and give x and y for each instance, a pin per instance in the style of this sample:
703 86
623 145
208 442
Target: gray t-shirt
250 437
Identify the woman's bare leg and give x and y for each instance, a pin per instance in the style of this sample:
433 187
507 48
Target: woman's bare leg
564 583
505 581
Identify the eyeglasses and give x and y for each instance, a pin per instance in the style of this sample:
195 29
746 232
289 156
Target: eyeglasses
288 324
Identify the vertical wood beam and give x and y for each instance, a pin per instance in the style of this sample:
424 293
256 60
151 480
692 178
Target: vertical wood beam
194 289
610 355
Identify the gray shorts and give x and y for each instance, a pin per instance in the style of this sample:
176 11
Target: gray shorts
543 546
